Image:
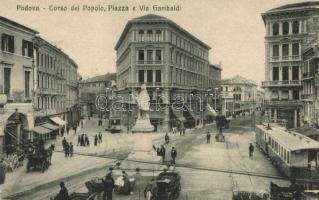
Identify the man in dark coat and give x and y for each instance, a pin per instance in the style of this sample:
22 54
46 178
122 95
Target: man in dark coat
108 186
95 140
63 194
173 154
71 149
162 152
208 137
166 138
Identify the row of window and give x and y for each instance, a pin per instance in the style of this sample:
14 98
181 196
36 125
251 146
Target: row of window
149 55
149 35
184 77
148 76
50 82
286 28
280 150
50 103
285 73
188 46
284 95
6 89
8 45
190 63
285 50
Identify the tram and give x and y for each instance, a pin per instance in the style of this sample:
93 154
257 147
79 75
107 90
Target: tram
295 155
115 125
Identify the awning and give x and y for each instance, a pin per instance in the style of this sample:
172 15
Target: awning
211 111
50 126
41 130
58 121
178 114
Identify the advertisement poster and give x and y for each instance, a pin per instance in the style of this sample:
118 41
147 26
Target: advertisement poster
159 99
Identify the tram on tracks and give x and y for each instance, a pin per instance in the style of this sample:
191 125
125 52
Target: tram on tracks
294 155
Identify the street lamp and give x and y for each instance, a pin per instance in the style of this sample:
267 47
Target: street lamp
216 89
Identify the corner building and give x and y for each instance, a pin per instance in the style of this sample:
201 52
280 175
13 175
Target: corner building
289 29
173 63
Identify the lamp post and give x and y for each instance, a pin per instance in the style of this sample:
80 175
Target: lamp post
216 89
206 100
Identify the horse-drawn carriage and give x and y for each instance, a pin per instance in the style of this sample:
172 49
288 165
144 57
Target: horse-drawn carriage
39 158
168 187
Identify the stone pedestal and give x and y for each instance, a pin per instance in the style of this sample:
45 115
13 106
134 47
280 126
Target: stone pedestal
143 149
143 126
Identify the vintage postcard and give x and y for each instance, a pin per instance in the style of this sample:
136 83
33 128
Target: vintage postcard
159 100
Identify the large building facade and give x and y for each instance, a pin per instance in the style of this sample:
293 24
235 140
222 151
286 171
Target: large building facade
173 64
289 29
239 95
38 87
16 84
56 84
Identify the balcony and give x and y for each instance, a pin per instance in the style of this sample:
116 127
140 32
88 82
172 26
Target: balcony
307 75
283 103
166 85
285 58
49 91
307 97
286 83
150 62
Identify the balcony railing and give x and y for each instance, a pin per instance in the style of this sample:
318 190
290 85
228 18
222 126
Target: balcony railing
307 75
149 62
283 102
307 96
49 91
281 83
285 58
165 85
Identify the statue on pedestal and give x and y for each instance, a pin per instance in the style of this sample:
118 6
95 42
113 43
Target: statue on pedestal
143 123
143 103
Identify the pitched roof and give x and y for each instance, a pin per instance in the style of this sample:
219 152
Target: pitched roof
155 18
105 78
9 21
238 80
310 4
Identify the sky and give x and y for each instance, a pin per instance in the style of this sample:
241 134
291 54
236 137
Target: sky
233 29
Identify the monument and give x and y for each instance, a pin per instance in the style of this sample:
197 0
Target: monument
143 123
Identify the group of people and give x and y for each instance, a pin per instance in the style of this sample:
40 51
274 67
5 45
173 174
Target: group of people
83 140
98 139
67 148
162 152
181 129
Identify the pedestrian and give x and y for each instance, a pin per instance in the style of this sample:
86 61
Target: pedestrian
74 128
81 123
108 186
64 143
251 150
100 137
166 138
67 129
3 171
79 140
71 149
184 130
87 140
66 149
181 130
208 137
174 130
162 153
173 155
63 194
82 140
95 140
